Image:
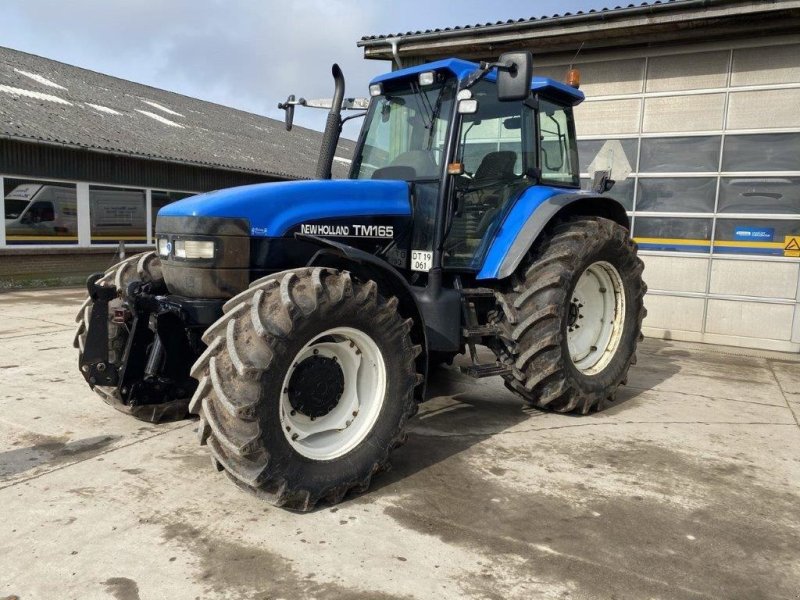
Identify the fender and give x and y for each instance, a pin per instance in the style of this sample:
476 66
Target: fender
531 213
368 266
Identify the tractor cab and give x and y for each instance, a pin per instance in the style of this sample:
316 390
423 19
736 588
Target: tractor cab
456 137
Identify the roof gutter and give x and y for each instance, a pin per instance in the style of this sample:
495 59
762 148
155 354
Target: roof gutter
606 15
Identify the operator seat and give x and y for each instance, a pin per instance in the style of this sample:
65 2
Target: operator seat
483 203
497 165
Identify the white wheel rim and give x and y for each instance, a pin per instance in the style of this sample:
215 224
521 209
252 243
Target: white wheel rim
350 421
596 317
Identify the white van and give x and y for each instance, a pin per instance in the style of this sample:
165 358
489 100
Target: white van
34 209
36 212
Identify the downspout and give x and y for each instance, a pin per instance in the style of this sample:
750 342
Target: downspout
394 43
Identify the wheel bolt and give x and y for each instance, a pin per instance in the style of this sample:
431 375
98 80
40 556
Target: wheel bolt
602 290
288 428
313 418
347 424
294 436
293 413
316 351
355 413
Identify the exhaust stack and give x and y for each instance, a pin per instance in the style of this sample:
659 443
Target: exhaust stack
333 127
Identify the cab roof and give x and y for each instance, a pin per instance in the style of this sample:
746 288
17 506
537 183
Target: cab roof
460 68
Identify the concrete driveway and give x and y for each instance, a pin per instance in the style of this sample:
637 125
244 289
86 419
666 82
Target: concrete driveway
688 488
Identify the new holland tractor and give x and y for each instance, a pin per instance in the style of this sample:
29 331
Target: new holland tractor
300 320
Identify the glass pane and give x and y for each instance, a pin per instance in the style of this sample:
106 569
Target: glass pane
680 154
117 215
622 191
762 152
673 233
760 195
40 212
588 150
694 194
753 236
405 129
559 160
160 199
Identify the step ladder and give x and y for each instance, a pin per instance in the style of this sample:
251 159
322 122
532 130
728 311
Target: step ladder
475 332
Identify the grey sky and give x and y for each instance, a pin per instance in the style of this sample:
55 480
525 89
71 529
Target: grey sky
244 53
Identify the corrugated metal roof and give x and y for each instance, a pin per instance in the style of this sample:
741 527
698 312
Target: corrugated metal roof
554 18
49 101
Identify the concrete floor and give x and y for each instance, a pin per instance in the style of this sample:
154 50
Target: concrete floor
688 488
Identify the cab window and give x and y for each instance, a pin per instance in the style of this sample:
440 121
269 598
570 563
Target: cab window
559 153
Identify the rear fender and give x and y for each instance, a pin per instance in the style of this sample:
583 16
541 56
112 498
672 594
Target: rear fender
368 266
532 213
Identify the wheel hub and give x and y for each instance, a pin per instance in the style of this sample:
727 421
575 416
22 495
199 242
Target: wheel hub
595 317
316 386
332 393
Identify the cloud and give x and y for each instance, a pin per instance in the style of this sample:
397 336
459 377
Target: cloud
249 54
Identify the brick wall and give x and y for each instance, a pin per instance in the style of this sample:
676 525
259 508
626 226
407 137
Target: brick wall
25 267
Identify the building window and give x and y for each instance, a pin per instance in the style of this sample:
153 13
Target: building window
160 199
675 194
673 234
753 236
117 215
764 195
762 152
622 191
695 154
40 212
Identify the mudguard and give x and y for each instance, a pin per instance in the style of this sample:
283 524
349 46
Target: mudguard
534 209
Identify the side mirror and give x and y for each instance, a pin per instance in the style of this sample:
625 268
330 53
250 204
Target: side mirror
602 182
514 77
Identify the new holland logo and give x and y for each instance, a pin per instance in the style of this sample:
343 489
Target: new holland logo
363 231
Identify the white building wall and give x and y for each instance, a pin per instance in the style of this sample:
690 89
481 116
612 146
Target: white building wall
699 187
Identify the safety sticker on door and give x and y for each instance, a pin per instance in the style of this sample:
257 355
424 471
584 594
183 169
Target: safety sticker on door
421 260
791 246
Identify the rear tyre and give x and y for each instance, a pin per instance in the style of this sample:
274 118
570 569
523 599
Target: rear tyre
144 267
306 386
574 317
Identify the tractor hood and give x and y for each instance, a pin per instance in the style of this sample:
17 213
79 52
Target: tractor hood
272 209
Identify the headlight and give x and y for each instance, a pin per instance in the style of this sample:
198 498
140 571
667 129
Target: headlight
194 249
163 247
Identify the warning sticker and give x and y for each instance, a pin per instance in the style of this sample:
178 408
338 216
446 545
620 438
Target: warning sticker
791 246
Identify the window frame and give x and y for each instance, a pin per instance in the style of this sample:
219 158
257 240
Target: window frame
573 150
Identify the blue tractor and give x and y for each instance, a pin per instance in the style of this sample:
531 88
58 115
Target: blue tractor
299 320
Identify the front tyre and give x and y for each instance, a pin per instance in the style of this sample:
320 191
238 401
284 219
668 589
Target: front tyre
306 386
574 316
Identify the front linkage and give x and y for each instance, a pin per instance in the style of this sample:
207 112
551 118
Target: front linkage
138 351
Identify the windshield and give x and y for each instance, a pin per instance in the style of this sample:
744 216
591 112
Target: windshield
14 208
405 130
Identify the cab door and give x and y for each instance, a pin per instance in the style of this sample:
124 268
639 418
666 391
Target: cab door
497 149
